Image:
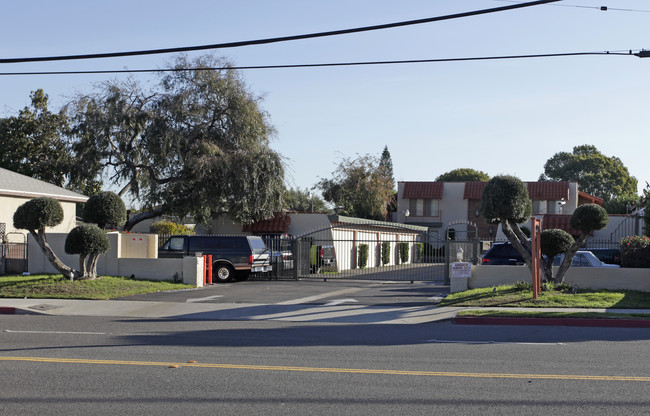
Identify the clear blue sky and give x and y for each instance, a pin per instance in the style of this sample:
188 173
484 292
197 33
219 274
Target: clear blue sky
505 116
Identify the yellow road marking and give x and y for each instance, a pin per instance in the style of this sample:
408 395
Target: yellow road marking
330 370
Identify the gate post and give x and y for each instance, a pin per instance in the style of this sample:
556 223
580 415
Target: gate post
447 247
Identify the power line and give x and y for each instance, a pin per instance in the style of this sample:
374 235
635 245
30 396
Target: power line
601 8
322 65
273 40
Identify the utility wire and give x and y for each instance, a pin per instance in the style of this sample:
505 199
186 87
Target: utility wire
601 8
273 40
321 65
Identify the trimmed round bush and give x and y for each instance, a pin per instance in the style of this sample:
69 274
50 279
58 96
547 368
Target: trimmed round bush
589 217
555 241
86 239
105 208
505 197
38 213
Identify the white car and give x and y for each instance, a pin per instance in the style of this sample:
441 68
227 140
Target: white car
583 259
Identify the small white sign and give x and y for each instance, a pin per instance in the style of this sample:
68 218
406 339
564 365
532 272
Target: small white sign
461 270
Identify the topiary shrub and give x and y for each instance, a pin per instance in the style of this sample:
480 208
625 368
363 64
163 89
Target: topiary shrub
505 197
635 252
86 239
105 208
167 227
385 252
589 217
403 252
363 255
89 241
38 213
554 242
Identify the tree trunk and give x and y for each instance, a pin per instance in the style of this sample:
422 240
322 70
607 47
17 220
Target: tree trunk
522 246
66 271
93 265
82 265
568 258
547 269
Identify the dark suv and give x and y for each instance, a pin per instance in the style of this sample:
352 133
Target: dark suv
502 254
244 254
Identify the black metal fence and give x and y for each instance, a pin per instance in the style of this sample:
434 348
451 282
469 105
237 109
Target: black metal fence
359 259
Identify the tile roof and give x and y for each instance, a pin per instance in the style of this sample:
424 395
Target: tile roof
276 225
543 191
423 190
15 184
474 190
548 191
585 198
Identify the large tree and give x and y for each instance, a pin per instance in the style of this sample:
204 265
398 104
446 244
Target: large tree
596 174
196 142
358 188
463 175
33 143
303 201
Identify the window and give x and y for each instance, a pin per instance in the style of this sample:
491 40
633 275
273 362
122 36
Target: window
175 244
539 207
424 207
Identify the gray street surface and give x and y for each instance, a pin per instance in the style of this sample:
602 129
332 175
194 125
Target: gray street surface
97 365
308 347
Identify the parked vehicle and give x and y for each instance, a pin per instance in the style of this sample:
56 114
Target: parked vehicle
583 258
322 258
607 255
244 254
502 254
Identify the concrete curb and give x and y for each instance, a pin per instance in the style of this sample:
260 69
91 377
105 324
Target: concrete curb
586 322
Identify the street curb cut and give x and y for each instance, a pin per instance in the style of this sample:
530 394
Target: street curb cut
590 322
7 310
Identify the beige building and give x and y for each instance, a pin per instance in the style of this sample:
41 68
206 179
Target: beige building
16 189
441 206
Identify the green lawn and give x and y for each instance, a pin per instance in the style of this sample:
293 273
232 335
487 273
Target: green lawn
55 286
542 314
520 295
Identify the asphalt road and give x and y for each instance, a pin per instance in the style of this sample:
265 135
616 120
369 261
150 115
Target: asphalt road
81 365
314 292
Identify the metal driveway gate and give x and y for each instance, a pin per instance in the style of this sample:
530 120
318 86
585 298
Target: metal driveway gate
373 252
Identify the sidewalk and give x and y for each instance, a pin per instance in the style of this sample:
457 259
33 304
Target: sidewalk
344 313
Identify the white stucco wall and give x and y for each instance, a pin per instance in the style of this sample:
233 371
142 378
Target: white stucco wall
189 269
583 277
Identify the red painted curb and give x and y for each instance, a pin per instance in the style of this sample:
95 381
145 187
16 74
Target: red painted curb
7 310
593 322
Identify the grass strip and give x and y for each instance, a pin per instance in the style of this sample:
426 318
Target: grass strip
544 314
56 286
520 295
